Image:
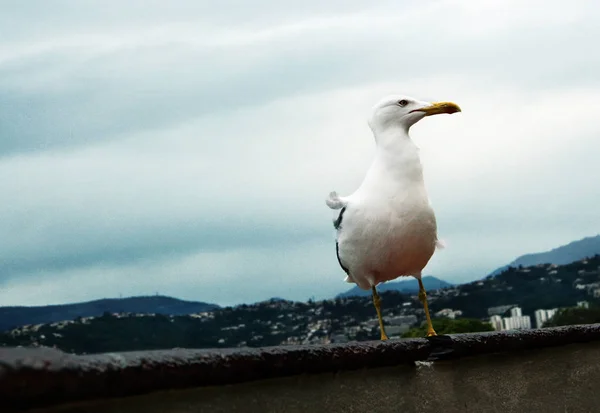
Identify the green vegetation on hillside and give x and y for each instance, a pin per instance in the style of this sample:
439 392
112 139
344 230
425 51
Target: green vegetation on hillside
575 315
532 288
449 326
281 322
268 323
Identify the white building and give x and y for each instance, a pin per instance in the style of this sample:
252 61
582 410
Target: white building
499 310
541 316
516 321
448 313
583 304
496 322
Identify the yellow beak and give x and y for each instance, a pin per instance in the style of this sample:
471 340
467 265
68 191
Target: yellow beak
439 107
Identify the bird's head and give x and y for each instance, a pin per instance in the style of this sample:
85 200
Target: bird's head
400 111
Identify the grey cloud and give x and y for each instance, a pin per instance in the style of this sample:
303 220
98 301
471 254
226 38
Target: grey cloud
119 153
155 86
96 108
67 249
226 277
64 15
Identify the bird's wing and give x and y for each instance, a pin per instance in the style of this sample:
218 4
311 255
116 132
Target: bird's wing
346 270
337 224
334 201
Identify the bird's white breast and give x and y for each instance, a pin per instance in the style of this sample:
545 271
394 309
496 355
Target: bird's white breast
389 228
386 241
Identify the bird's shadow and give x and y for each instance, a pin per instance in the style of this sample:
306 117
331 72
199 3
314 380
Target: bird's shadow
442 347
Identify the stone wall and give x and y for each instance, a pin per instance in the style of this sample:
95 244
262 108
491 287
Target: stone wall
548 370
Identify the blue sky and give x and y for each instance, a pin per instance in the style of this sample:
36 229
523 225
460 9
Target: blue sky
187 147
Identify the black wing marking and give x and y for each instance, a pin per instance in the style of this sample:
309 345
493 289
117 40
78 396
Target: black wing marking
337 252
337 225
338 222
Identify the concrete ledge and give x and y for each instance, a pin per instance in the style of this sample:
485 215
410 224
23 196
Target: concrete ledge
43 377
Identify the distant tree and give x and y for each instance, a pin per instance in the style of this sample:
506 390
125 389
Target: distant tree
449 326
106 315
575 315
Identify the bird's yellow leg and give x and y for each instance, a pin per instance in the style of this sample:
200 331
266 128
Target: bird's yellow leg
377 302
423 298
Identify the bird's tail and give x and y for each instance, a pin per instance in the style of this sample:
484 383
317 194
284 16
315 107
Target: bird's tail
333 201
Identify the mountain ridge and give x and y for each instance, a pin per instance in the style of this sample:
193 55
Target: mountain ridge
14 316
23 315
561 255
410 285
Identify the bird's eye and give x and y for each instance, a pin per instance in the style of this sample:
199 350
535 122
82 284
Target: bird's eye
403 102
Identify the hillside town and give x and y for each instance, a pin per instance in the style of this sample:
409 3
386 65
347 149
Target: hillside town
518 298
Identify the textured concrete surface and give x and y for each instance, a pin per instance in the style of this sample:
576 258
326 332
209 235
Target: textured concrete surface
45 377
559 379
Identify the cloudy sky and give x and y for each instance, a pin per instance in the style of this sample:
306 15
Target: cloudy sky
187 147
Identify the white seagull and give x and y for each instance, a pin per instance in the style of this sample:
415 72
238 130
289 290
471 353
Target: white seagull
387 228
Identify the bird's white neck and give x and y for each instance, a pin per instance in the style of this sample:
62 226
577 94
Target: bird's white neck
397 165
399 154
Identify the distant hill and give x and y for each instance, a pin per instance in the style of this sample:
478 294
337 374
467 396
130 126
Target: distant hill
408 286
565 254
541 286
11 317
282 322
267 323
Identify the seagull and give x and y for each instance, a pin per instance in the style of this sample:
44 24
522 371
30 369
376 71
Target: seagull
387 228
